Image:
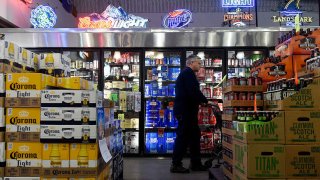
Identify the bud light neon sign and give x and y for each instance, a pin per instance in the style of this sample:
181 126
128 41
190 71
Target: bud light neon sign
237 3
177 19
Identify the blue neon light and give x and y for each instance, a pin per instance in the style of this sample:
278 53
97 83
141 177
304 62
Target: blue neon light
177 19
237 3
43 17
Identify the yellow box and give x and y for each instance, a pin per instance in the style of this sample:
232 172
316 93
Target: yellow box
303 161
83 155
50 80
25 81
69 82
55 155
23 120
259 160
301 127
54 178
82 178
23 154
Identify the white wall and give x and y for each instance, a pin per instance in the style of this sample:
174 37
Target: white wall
18 13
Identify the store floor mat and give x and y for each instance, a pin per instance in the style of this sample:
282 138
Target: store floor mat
158 169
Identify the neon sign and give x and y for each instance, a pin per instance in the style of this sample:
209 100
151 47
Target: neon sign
289 12
237 3
177 19
112 17
237 17
43 17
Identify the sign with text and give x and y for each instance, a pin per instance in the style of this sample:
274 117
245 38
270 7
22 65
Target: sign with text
291 14
112 17
238 18
177 19
237 3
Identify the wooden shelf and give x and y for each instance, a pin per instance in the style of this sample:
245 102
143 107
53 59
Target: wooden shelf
238 88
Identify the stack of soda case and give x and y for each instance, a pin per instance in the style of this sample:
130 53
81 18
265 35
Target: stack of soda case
233 89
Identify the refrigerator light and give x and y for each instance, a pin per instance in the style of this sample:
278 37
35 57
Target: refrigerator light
117 55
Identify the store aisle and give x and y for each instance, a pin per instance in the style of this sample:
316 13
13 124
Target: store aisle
157 169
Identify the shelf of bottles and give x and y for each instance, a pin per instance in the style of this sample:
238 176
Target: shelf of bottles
84 64
160 73
121 85
240 62
210 76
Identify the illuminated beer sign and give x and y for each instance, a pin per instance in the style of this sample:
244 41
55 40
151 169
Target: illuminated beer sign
177 19
289 12
237 3
237 18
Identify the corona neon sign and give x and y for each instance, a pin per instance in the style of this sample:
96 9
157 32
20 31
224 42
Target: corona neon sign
237 3
112 17
43 17
177 18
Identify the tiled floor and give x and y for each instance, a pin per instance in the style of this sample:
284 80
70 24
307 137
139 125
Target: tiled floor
157 169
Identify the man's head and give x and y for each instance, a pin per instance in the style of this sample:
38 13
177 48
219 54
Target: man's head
194 62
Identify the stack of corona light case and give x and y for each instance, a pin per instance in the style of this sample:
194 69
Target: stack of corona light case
21 99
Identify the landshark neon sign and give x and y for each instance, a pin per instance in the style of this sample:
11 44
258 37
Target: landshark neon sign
237 3
289 12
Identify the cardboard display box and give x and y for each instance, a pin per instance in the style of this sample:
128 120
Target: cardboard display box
71 115
238 88
24 57
54 61
12 102
8 50
71 98
307 99
239 176
7 66
27 81
76 83
68 133
303 161
22 123
16 172
301 127
257 132
23 154
55 155
259 160
83 155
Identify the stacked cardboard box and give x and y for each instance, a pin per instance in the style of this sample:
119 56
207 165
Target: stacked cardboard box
23 151
229 128
302 138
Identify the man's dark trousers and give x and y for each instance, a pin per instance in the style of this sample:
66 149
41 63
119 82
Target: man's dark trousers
188 134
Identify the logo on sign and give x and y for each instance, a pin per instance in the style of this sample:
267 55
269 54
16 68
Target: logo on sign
237 3
177 18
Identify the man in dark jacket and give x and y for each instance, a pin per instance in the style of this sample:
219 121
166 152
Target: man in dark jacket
186 105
